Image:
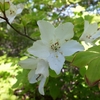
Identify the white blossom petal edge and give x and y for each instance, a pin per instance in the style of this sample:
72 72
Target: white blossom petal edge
90 32
39 71
55 43
12 12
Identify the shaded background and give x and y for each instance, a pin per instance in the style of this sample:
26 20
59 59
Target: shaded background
13 47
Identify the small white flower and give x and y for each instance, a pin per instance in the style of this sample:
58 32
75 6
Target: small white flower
39 71
2 1
90 32
55 43
12 12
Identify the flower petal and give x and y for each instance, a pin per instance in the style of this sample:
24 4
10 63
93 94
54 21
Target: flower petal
32 77
19 8
46 29
42 68
89 30
56 61
64 31
71 47
41 86
96 35
39 50
3 1
86 24
30 63
1 20
11 13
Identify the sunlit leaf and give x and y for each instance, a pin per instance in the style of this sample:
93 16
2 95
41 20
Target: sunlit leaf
4 6
52 73
74 1
91 59
83 58
54 89
92 72
82 71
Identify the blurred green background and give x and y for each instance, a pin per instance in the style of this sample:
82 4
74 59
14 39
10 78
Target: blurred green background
13 48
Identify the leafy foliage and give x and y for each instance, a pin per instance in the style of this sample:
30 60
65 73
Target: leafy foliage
91 59
69 85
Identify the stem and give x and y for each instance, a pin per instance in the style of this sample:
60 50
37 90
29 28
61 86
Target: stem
2 17
25 35
25 30
19 31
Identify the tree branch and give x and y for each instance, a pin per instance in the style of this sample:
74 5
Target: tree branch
2 17
25 35
19 32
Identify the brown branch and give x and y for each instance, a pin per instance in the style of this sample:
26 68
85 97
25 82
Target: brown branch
19 31
25 35
2 17
25 30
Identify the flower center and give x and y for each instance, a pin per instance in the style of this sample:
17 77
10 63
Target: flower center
11 12
55 46
88 36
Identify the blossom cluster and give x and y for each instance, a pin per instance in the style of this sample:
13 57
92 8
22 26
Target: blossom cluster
9 10
54 46
90 33
50 51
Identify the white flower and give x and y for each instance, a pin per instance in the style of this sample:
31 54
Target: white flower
2 1
12 12
39 71
90 32
55 43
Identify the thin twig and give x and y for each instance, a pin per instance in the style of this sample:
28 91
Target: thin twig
2 17
19 31
25 35
25 30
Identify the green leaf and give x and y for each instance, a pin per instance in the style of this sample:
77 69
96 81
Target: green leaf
26 19
82 71
52 73
83 58
70 58
88 17
4 6
22 79
19 1
74 1
93 73
95 49
54 89
91 58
